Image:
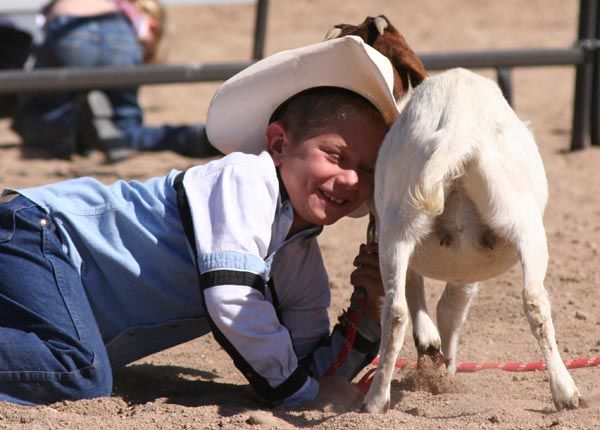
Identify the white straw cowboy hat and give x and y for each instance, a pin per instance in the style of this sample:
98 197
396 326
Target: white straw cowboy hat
240 110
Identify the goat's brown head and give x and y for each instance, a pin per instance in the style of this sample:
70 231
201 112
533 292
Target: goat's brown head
383 36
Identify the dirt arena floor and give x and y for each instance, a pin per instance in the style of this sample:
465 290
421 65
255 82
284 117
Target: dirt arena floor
195 385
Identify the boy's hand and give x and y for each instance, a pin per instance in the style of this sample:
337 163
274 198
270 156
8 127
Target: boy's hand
336 394
368 276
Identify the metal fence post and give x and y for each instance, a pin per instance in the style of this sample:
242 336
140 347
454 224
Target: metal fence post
260 29
504 77
584 76
595 114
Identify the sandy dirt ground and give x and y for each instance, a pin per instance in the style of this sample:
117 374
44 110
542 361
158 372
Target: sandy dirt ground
195 385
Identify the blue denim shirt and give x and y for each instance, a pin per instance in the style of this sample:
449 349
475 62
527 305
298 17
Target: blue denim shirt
128 243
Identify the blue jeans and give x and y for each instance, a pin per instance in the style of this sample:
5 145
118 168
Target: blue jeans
49 119
50 345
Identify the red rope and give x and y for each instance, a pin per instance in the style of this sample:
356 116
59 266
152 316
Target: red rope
509 366
470 366
352 318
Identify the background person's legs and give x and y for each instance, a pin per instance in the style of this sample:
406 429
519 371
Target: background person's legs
188 140
50 124
46 121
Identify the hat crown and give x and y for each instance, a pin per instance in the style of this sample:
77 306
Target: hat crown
239 112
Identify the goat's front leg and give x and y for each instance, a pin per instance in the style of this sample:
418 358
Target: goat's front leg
534 258
425 334
394 259
452 309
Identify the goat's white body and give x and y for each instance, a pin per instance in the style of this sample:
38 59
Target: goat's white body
460 192
464 259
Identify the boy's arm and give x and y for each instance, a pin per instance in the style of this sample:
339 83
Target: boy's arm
247 327
366 342
262 347
306 318
263 350
309 318
232 205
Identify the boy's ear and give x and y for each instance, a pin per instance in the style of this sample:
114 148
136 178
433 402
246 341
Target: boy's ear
277 141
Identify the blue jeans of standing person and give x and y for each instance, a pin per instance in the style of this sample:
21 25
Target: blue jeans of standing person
50 345
49 120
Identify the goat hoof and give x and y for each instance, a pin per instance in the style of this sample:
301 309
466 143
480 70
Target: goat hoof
434 355
575 402
371 409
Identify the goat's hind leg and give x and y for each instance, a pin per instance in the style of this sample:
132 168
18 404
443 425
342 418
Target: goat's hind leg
394 258
534 258
452 309
425 333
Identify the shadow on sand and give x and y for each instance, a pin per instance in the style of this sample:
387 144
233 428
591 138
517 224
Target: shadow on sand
143 383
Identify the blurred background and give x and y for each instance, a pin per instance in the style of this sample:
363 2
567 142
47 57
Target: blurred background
210 31
207 31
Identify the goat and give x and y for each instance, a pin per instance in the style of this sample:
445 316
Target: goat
473 246
460 191
408 73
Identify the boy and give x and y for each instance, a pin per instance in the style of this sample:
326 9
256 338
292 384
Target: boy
94 276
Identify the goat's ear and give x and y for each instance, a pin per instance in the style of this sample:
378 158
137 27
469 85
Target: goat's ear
406 60
333 33
381 24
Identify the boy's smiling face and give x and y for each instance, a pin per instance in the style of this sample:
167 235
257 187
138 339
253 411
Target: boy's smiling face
330 173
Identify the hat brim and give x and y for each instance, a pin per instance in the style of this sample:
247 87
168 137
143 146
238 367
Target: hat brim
240 110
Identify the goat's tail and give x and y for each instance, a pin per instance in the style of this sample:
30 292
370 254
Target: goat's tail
446 163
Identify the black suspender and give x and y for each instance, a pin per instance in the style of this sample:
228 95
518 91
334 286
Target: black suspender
188 227
185 213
